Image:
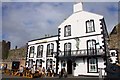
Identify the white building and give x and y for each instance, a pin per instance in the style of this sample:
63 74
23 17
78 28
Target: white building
83 36
41 52
82 41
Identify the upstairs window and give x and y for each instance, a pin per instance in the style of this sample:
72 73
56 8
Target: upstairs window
91 47
31 52
90 26
67 49
50 49
40 51
67 30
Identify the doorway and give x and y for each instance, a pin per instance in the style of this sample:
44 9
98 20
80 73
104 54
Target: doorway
69 67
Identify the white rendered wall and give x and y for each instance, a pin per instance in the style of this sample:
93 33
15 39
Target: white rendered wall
78 24
44 58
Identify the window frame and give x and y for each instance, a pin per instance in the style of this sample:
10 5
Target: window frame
89 65
67 49
40 62
30 60
50 50
32 51
40 51
93 27
67 33
50 65
93 48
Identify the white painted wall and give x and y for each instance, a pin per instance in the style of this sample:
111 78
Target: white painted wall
78 29
44 58
78 25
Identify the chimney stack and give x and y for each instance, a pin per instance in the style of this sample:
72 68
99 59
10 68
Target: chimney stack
78 6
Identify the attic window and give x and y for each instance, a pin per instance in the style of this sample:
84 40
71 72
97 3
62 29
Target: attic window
90 26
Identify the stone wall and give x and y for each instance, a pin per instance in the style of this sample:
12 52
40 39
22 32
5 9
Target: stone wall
16 55
9 63
19 53
114 39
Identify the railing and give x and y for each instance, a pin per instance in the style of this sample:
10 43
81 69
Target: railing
81 53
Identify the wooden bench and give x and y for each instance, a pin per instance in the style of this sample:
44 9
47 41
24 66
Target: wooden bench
7 71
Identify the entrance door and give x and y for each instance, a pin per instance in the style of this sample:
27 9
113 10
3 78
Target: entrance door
69 67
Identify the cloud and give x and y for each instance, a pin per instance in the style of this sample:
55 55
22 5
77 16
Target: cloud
23 21
0 21
26 21
108 9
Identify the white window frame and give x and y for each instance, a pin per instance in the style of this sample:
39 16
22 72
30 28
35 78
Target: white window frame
90 26
31 52
92 65
38 62
67 31
50 50
30 63
40 51
67 49
91 47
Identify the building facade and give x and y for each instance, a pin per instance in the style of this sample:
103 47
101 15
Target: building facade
80 47
114 39
41 52
83 36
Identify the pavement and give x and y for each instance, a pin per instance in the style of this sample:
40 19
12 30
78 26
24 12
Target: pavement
10 77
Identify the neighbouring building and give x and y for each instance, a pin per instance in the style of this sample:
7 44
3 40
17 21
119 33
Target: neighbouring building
80 46
114 39
17 54
42 52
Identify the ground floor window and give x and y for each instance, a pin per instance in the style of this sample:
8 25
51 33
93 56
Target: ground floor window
92 65
49 64
38 63
30 63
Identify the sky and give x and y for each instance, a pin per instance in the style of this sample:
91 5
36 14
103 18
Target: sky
24 21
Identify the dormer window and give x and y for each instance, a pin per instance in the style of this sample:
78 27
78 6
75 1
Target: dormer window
67 30
90 26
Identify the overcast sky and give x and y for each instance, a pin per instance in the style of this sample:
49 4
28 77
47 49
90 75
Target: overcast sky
24 21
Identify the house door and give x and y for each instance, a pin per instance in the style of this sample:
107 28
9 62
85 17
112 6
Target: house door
69 67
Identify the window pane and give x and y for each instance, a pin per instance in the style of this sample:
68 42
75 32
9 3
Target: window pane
40 51
30 63
91 47
31 52
39 62
50 49
68 30
90 26
67 49
49 63
92 65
